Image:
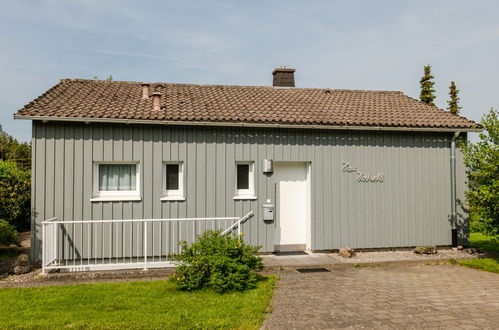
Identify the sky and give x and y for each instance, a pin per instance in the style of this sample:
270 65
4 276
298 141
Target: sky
373 45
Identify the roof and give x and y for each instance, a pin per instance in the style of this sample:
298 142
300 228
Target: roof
89 100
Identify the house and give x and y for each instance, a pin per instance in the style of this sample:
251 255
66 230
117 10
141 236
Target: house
124 170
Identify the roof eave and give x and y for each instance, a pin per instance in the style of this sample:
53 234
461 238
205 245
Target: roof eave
249 124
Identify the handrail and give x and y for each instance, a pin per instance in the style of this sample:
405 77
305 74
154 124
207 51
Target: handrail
61 249
238 224
138 220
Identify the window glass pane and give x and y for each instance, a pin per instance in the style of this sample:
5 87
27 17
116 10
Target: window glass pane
243 176
113 177
172 176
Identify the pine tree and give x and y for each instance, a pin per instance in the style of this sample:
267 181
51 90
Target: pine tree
426 96
454 99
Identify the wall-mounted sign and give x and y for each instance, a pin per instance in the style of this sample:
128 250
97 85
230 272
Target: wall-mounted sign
362 176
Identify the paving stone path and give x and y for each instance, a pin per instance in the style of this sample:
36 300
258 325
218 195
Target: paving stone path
387 297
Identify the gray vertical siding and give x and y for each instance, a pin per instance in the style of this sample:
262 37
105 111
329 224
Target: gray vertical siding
411 207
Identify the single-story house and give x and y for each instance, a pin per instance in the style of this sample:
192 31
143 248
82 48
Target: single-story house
124 170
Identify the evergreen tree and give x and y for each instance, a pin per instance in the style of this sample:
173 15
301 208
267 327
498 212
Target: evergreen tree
454 99
426 96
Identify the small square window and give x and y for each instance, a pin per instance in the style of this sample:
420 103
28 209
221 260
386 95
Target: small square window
173 181
245 181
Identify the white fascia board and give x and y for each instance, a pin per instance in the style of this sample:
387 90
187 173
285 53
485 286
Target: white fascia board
242 124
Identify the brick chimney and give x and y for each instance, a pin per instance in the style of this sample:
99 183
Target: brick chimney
283 77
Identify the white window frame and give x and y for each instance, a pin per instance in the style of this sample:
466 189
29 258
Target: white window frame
245 193
122 195
174 195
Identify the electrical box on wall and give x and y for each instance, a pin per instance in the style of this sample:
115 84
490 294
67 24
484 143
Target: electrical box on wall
268 166
268 211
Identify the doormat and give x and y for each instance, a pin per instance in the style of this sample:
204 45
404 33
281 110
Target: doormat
313 270
291 253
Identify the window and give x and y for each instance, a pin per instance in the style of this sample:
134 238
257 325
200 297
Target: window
245 181
116 181
173 181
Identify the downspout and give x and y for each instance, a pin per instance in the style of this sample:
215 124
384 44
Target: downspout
453 205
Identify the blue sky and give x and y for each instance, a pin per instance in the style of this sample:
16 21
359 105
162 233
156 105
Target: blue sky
380 45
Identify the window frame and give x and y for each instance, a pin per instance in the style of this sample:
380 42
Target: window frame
115 195
178 194
245 193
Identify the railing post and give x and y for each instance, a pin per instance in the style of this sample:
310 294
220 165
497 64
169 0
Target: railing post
145 245
43 248
56 243
239 228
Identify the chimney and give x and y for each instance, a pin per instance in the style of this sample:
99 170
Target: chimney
145 90
155 101
283 77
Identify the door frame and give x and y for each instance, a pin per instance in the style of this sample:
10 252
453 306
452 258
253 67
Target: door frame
308 202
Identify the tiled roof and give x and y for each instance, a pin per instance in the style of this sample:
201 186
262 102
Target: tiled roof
93 99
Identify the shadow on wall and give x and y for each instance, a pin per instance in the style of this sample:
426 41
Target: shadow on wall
462 225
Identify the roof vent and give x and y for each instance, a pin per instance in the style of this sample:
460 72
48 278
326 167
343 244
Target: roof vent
283 77
145 90
156 97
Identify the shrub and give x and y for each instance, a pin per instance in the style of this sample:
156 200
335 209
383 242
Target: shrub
481 160
15 195
221 262
7 234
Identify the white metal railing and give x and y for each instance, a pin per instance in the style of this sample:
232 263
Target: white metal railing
123 244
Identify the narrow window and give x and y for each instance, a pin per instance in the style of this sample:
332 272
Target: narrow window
173 181
243 176
116 181
172 176
245 180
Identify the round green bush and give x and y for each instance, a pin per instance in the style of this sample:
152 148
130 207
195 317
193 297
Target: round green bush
221 262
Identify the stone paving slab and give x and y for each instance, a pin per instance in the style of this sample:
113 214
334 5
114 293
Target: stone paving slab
393 296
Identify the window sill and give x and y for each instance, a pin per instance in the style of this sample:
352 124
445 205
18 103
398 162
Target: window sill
173 198
115 198
236 198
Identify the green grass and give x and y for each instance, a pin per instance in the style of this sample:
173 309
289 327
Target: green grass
485 243
7 252
487 264
133 305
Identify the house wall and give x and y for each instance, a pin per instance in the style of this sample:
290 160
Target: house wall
411 207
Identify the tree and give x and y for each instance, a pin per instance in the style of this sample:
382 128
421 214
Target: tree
15 195
426 96
482 162
11 149
454 99
110 78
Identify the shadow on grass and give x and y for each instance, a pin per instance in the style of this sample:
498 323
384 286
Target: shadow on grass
484 242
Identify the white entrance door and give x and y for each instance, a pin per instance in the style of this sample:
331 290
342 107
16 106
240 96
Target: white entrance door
292 191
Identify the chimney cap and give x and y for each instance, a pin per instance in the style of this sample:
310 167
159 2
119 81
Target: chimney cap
146 84
284 69
156 94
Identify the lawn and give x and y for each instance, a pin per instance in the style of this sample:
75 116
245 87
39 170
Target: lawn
133 305
485 243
